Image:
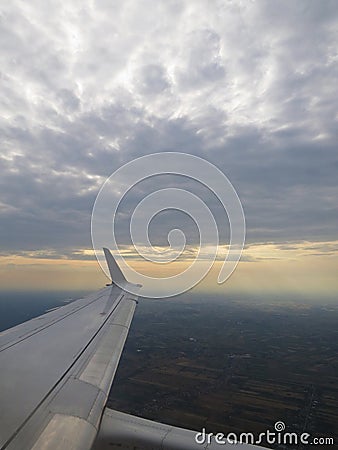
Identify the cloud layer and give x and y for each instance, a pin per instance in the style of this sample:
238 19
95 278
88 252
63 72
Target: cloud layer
87 86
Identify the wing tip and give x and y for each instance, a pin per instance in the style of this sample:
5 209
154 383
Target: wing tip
116 273
114 269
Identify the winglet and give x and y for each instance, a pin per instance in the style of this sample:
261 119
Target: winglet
115 272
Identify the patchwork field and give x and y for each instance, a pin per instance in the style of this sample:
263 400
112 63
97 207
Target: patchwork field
230 367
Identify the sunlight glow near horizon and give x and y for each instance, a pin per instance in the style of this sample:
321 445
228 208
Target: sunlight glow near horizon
303 267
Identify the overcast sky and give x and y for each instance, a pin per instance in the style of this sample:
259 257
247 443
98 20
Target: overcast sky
86 86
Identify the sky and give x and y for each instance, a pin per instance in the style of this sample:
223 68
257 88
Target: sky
87 86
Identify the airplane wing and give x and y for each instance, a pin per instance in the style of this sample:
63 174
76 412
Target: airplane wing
56 371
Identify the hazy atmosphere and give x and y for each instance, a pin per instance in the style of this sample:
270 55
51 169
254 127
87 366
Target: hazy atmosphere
249 86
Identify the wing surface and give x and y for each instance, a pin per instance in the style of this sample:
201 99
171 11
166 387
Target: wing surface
56 372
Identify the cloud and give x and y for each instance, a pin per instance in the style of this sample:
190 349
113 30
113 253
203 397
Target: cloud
88 86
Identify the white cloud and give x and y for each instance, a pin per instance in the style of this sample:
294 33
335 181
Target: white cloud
88 85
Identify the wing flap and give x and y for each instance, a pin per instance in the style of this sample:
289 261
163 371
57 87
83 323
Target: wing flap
100 369
65 432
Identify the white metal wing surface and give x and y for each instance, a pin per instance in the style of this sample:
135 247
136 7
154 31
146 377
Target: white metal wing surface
56 372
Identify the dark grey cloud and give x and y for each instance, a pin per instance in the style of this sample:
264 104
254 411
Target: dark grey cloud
152 79
88 86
